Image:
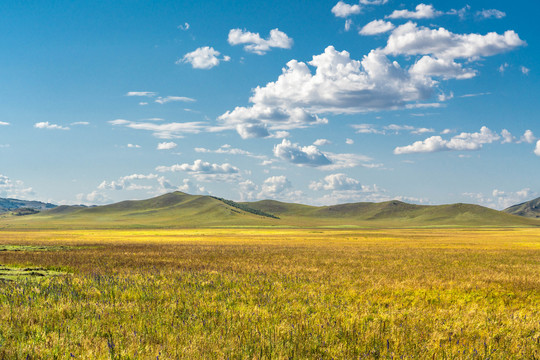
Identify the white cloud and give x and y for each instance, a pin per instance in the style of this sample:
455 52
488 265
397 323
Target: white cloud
127 182
205 57
184 27
348 24
339 85
229 150
201 167
349 141
344 161
373 2
274 186
141 93
344 10
409 39
95 197
255 44
47 125
336 182
491 13
525 70
300 155
461 142
164 131
444 68
3 123
376 27
390 129
528 137
423 11
135 146
14 188
507 137
167 99
84 123
166 145
322 142
537 148
503 67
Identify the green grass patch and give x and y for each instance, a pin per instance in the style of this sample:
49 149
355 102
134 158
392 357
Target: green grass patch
14 273
33 248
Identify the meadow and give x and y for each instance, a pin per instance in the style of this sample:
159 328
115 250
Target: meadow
271 294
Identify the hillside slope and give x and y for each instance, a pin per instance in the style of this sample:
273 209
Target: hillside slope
530 209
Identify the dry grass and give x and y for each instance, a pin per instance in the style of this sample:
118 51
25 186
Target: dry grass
253 294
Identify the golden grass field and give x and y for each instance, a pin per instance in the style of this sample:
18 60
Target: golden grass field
273 294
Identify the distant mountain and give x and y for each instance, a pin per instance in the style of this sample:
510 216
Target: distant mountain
8 205
530 209
180 210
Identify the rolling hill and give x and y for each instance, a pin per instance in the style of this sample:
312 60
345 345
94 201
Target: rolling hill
530 209
177 210
7 205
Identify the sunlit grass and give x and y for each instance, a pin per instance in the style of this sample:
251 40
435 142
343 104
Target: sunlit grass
264 293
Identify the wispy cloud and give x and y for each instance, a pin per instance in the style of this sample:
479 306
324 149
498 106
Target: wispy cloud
49 126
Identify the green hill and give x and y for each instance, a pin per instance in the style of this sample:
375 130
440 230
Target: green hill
178 210
530 209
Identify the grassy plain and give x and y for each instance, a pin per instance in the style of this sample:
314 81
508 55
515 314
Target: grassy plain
271 294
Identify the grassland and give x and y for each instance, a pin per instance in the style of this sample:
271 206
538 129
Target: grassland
273 294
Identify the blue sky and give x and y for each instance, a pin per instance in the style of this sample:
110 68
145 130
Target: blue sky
315 102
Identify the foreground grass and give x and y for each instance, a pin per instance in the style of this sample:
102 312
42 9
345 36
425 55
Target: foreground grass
244 294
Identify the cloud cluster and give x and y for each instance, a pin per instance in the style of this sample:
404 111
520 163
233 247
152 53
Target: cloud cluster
255 44
167 145
338 181
205 171
14 188
462 142
344 10
376 27
390 129
127 182
205 57
422 11
491 13
500 200
300 155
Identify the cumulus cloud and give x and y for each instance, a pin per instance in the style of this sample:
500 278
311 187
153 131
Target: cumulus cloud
376 27
528 137
422 11
201 167
166 145
274 186
491 13
205 57
461 142
167 99
49 126
255 44
14 188
347 160
409 39
537 148
349 141
344 10
339 85
164 131
507 137
338 181
322 142
444 68
127 182
524 70
300 155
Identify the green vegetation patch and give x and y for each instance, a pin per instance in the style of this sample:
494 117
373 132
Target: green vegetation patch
245 208
34 248
10 273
